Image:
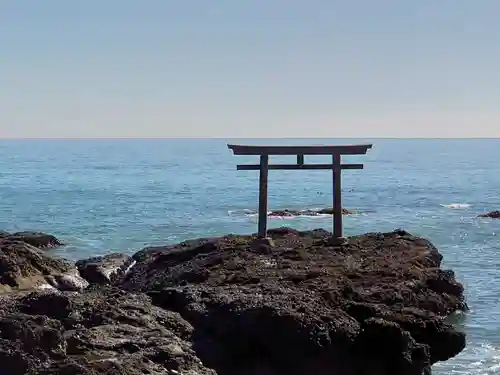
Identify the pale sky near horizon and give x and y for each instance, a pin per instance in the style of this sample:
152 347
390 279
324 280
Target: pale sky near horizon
241 68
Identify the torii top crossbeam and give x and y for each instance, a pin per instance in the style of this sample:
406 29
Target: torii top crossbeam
304 150
336 152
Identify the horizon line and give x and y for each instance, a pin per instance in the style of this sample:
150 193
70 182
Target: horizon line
235 138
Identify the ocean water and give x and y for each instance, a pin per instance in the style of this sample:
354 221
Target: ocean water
100 196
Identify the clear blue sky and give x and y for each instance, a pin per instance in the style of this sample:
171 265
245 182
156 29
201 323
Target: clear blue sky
236 68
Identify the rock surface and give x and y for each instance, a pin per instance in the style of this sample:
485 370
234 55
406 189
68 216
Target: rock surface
105 269
23 266
100 331
36 239
492 214
291 213
298 303
372 305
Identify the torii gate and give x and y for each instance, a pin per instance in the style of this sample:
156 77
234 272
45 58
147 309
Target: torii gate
336 166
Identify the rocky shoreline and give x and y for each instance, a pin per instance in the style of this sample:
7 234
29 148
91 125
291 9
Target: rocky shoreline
303 303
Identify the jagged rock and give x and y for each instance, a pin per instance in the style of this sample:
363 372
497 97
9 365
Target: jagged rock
262 245
492 214
104 269
98 331
36 239
23 266
374 304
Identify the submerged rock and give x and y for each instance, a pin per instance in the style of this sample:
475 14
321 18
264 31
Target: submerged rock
98 331
492 214
291 213
23 266
105 269
371 304
329 211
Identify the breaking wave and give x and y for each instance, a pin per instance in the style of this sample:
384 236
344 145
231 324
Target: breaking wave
456 206
290 213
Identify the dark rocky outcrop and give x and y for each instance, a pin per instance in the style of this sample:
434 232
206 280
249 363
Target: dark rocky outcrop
36 239
105 269
23 266
492 214
100 331
373 305
292 213
298 303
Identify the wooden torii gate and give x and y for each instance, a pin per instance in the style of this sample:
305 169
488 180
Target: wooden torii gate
336 166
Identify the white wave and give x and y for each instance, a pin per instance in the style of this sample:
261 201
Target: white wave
282 217
130 267
483 359
316 216
456 206
244 211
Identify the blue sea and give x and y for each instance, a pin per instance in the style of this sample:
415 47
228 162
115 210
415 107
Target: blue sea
100 196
